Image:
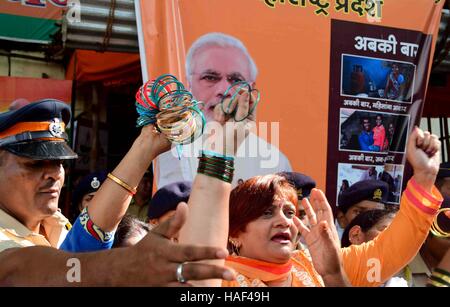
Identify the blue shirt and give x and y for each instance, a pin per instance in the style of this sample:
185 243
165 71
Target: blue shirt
85 236
366 141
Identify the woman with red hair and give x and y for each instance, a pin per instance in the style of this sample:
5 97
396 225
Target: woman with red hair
263 233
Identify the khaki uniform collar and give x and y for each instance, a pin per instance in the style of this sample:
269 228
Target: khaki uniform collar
56 227
14 226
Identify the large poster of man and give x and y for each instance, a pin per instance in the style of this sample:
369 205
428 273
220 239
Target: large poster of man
302 50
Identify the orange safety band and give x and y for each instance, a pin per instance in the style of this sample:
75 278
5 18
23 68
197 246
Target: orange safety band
27 126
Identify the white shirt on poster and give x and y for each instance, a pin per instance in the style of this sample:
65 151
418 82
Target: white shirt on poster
253 158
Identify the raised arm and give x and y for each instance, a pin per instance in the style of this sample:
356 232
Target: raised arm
373 262
111 201
209 200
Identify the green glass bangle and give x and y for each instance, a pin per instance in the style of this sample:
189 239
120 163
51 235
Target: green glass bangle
217 167
221 168
218 174
216 162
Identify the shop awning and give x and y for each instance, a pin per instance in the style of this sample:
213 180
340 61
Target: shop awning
30 21
111 67
106 25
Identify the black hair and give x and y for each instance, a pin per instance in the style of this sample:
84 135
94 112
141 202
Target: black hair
364 118
366 220
347 184
128 226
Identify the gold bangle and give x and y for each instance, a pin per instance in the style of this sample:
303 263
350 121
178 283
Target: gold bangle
435 226
130 190
438 233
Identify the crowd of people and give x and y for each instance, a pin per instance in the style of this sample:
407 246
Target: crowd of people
228 223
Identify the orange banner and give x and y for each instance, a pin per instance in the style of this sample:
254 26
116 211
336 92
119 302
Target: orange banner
291 44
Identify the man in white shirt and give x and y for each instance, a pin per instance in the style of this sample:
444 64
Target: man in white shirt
213 63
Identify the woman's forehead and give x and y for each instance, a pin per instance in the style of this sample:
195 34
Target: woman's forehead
281 202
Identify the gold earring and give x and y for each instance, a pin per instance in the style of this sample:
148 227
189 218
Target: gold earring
235 246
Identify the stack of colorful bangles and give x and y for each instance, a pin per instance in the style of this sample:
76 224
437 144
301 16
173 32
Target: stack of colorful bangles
216 165
436 229
167 104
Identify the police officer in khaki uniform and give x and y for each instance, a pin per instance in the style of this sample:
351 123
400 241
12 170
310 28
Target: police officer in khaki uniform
33 145
32 148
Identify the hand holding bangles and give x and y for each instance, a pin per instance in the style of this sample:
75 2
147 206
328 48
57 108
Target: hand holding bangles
233 119
230 100
165 103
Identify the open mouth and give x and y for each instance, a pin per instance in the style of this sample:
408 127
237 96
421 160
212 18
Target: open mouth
282 238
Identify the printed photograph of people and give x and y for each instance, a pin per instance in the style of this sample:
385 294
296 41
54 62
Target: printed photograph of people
372 131
392 174
377 78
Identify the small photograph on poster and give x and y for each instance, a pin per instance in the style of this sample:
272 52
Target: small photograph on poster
392 174
382 79
369 131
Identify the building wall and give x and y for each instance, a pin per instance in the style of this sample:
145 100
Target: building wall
31 68
39 69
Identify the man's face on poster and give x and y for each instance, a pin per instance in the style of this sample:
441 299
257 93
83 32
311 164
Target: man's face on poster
214 69
366 124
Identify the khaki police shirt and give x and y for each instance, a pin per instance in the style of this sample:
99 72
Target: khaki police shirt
139 212
14 234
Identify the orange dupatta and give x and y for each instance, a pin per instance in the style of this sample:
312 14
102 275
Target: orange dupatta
255 273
